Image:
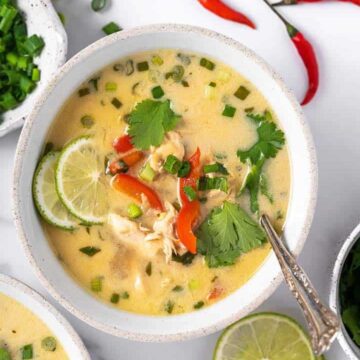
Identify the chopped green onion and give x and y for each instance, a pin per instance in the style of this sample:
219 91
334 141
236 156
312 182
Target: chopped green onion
212 84
87 121
4 354
134 211
172 164
96 284
129 67
157 60
147 173
90 250
268 115
169 307
184 169
49 343
242 93
177 73
217 183
185 59
184 83
12 58
110 86
215 168
8 101
206 63
98 5
142 66
26 84
115 297
229 111
116 102
125 295
190 193
199 305
95 82
177 288
33 45
111 28
210 92
62 17
157 92
148 269
83 92
193 284
8 16
22 63
27 352
20 31
249 109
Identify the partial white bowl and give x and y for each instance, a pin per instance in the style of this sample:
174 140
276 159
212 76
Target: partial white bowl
349 347
41 19
302 202
59 326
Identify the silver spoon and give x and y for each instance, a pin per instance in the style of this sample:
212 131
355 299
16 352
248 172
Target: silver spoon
323 324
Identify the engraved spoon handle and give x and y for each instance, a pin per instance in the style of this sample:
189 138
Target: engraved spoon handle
323 324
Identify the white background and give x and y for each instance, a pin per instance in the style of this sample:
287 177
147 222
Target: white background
334 117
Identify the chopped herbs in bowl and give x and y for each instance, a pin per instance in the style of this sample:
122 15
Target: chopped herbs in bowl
32 47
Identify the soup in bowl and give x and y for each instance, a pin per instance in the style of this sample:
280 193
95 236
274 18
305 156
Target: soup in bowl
153 167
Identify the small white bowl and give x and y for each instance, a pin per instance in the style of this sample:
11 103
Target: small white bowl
349 347
41 19
59 326
300 213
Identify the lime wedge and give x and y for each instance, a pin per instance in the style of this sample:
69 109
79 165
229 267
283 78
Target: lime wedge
45 196
80 181
264 336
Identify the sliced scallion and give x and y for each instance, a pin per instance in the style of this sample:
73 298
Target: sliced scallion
184 169
111 28
98 5
229 111
49 343
157 92
27 352
142 66
215 168
216 183
90 250
157 60
96 284
110 86
206 63
190 193
116 103
147 173
242 93
115 297
199 305
172 164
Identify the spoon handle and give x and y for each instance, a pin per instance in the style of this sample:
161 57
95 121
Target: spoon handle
323 324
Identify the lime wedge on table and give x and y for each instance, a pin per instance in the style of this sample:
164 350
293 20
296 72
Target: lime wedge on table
264 336
80 181
45 196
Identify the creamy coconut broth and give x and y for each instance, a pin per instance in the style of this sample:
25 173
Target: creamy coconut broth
213 117
24 336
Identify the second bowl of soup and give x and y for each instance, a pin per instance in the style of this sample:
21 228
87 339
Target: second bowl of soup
151 173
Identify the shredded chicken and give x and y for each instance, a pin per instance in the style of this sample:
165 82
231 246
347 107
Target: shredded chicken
171 145
164 231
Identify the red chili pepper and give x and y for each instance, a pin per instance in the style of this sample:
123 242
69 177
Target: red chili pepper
123 144
307 55
356 2
190 210
295 2
219 8
135 188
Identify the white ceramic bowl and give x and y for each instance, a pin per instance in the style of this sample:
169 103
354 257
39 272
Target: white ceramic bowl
349 347
41 19
300 214
59 326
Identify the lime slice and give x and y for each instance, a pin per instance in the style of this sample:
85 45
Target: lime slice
45 196
264 336
80 181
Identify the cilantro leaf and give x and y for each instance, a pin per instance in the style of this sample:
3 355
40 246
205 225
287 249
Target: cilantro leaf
264 188
226 233
270 141
149 122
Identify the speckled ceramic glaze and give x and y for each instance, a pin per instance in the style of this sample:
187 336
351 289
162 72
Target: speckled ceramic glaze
351 350
300 213
62 330
41 19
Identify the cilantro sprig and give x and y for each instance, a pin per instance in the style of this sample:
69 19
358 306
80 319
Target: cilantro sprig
270 141
227 233
149 122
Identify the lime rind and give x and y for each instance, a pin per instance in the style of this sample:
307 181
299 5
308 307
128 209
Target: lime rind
46 200
80 183
256 349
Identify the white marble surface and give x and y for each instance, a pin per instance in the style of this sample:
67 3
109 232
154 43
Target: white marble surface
334 29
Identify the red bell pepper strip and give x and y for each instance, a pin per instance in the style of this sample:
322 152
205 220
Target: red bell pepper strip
132 187
307 54
123 144
219 8
190 210
192 178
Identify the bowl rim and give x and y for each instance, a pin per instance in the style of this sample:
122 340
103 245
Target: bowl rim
88 51
21 288
343 337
